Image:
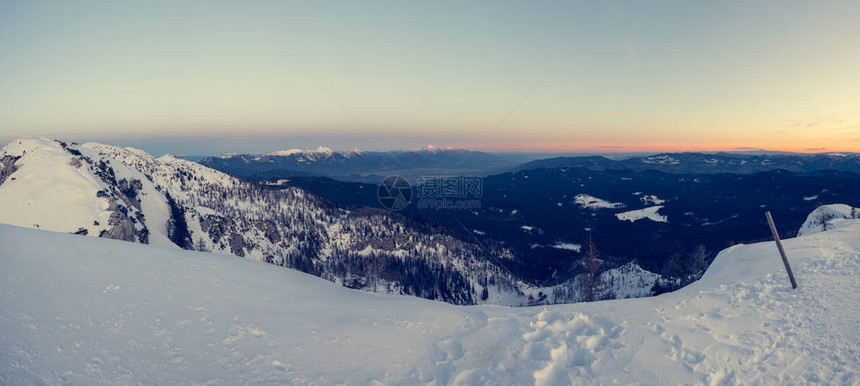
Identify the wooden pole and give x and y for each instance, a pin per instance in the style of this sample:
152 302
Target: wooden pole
781 249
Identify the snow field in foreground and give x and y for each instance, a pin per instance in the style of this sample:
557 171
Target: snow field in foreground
86 310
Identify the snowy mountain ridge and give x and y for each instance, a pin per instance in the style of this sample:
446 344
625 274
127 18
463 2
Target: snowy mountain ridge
319 150
123 193
125 313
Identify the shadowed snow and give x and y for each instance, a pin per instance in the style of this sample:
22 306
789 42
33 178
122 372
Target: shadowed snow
85 310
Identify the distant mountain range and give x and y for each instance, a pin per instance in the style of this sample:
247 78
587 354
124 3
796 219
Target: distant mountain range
355 165
546 216
707 163
358 166
543 211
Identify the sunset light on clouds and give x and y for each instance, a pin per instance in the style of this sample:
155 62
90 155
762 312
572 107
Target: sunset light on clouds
500 76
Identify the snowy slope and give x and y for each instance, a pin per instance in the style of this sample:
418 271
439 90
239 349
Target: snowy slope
84 310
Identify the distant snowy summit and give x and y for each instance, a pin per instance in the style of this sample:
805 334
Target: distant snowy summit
320 154
320 150
310 154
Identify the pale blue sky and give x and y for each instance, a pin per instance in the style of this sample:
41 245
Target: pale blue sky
568 76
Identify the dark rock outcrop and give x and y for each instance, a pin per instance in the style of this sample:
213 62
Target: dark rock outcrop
7 167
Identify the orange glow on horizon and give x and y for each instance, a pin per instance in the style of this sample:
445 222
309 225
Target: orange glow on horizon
571 147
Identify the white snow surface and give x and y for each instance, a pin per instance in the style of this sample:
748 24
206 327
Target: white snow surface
568 246
823 218
590 202
650 199
650 213
85 310
50 193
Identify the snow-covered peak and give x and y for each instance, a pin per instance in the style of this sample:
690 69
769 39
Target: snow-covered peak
352 153
42 186
96 189
322 150
437 149
24 145
284 153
